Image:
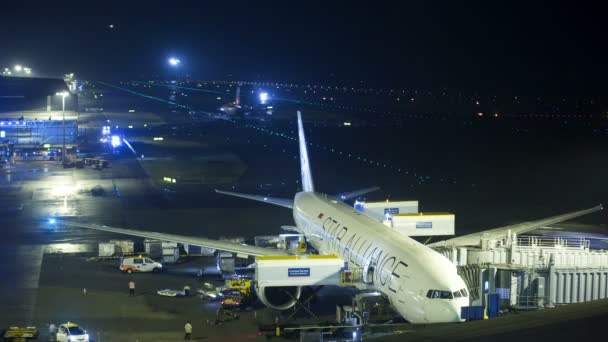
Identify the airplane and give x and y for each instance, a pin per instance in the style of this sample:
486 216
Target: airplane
422 285
235 107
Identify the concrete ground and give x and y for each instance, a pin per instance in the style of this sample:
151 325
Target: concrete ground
109 314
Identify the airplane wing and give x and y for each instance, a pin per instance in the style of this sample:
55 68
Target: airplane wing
356 193
283 202
474 239
189 240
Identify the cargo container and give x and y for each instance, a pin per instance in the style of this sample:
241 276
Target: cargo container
193 250
123 247
107 249
153 248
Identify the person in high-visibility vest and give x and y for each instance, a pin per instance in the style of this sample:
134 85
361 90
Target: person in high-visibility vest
188 331
131 288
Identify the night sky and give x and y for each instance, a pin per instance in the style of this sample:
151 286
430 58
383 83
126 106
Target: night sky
455 44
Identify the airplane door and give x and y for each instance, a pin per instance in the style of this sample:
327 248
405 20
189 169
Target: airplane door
367 273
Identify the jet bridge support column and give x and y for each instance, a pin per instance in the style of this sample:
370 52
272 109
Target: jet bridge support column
551 295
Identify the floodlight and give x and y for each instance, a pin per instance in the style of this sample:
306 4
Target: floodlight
263 97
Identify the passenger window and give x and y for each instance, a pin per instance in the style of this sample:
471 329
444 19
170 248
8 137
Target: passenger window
446 295
138 261
149 261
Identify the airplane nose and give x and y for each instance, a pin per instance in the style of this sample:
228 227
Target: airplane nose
442 312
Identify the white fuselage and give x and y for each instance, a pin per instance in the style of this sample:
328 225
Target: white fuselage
406 271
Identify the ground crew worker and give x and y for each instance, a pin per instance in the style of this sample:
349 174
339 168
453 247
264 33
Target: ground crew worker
218 315
187 290
131 288
52 332
188 330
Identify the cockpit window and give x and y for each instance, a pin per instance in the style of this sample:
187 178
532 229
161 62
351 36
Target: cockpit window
439 294
433 294
446 295
464 292
457 294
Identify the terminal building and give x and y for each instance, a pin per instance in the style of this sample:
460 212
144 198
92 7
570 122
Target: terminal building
35 122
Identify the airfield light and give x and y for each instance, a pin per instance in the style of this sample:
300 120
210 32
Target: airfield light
52 220
2 134
115 141
18 68
263 97
174 61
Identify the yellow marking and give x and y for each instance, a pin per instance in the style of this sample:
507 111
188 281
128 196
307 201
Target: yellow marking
425 214
296 257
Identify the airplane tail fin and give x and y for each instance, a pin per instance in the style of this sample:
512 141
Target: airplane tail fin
307 184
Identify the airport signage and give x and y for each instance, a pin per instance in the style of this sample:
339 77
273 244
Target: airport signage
391 211
424 225
298 272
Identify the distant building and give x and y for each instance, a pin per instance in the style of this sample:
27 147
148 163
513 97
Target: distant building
31 117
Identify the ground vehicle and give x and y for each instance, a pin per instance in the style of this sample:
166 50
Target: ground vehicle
139 264
19 334
71 332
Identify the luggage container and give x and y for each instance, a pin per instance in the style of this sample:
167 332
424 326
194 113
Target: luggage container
193 250
123 247
153 248
170 255
107 249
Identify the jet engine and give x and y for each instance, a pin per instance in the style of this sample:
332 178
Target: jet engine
279 297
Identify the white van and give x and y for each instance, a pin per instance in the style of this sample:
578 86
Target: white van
139 264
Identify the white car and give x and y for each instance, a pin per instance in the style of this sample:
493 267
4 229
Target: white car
139 264
70 332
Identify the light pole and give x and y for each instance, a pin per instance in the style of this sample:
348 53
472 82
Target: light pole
63 95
